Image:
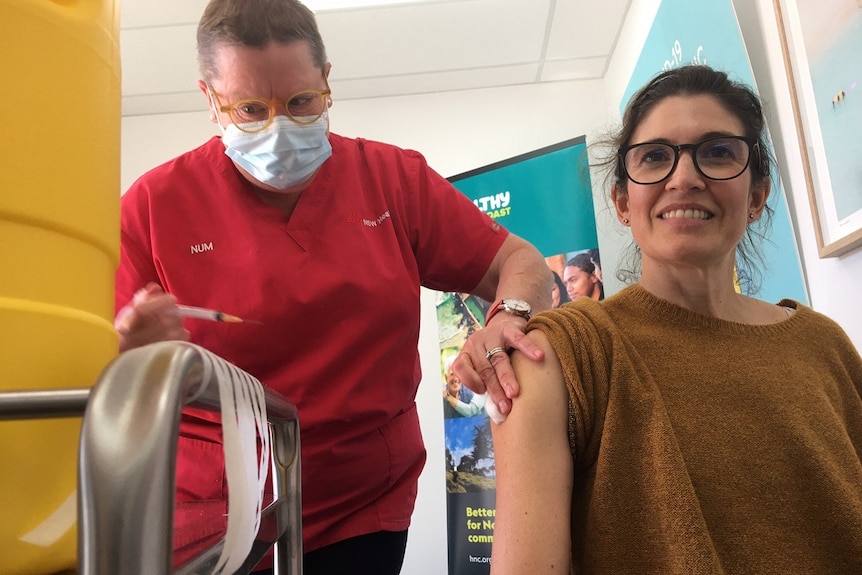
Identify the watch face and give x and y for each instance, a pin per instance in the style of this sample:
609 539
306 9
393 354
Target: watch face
516 305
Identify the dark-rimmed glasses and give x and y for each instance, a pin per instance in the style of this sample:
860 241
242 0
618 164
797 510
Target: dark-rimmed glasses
722 158
255 115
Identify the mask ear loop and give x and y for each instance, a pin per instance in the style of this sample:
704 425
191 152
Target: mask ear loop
325 115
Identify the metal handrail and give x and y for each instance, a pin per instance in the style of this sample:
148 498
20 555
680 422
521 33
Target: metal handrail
127 464
43 403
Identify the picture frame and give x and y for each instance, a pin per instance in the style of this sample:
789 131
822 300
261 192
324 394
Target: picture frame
827 134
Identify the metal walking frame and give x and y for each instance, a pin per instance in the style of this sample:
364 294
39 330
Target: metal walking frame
127 462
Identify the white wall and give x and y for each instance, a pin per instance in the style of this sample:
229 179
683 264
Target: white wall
456 131
461 131
833 283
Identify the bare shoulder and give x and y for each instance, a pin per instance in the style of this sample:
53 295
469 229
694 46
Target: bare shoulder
541 382
540 339
759 312
549 364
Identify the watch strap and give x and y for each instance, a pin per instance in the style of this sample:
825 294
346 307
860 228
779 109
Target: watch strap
499 305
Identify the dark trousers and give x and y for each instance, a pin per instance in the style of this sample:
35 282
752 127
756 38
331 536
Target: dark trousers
380 553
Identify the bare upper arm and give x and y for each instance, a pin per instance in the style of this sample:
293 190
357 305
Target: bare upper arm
534 471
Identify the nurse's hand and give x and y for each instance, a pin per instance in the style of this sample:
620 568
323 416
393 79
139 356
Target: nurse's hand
151 316
483 364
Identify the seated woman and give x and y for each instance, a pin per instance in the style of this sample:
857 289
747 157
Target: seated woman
680 426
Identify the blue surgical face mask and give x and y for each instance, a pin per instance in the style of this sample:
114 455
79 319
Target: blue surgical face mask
283 154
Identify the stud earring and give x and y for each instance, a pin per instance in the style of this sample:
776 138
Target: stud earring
626 221
751 216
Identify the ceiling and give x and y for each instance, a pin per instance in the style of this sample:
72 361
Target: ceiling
423 47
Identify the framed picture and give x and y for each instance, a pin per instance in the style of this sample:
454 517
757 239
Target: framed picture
822 45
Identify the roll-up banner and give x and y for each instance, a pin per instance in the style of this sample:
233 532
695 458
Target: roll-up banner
545 197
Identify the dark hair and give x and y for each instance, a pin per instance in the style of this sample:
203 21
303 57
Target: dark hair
738 99
561 288
255 23
583 261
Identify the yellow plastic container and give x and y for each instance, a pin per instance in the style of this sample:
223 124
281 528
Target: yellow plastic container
59 247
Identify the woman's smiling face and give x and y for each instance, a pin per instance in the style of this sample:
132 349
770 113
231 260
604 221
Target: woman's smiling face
687 219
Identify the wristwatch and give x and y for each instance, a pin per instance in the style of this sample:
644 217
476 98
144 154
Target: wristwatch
510 305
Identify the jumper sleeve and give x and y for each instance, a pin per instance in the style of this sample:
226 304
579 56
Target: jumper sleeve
580 351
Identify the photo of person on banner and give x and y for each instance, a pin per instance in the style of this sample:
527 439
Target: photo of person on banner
681 426
459 401
576 274
582 277
559 295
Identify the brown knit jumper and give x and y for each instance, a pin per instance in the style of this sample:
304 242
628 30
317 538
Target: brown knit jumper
703 446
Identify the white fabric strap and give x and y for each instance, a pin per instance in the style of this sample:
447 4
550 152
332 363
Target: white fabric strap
243 414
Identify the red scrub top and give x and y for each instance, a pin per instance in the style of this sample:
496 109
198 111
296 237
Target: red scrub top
336 288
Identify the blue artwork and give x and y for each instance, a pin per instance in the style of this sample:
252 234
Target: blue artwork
836 77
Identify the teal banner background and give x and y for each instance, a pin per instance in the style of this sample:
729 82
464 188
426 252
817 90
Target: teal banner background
550 196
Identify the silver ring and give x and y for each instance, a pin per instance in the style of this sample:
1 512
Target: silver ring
493 351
